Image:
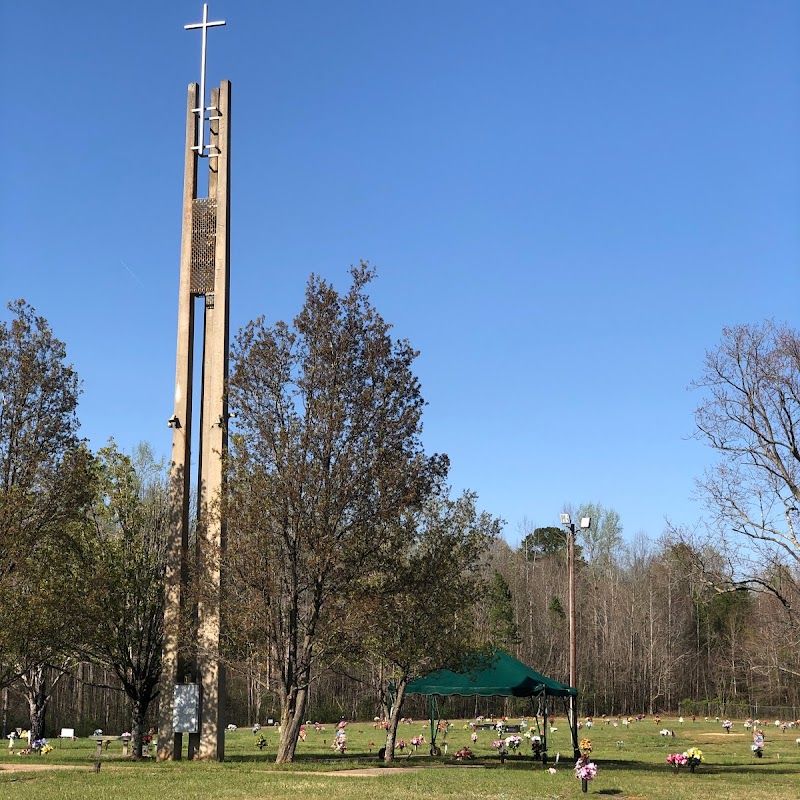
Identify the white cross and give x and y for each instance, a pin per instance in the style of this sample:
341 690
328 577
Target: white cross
201 110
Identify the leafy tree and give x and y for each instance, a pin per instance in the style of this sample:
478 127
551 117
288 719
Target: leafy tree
46 487
126 558
750 417
543 542
503 630
603 540
326 459
415 615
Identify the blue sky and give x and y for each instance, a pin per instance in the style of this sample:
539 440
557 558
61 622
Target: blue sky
566 202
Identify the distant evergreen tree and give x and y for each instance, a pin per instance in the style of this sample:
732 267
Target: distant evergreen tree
503 630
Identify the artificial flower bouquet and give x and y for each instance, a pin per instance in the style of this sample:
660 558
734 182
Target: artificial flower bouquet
690 758
694 756
677 760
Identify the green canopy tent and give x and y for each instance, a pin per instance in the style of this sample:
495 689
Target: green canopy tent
496 675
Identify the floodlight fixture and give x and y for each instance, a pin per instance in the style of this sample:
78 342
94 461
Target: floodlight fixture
565 520
586 522
174 422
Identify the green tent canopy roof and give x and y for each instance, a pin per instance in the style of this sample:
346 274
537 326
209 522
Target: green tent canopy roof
498 675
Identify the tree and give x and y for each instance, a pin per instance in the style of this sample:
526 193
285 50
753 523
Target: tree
601 541
46 488
503 630
125 558
750 417
544 542
416 614
327 457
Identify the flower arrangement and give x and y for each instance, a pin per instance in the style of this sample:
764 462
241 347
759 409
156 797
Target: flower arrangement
694 756
401 745
502 750
464 754
474 737
416 741
727 725
513 742
677 760
585 770
690 758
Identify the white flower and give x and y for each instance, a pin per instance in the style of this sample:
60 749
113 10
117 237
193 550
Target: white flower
552 770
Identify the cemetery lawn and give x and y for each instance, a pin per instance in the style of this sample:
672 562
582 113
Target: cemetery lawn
634 770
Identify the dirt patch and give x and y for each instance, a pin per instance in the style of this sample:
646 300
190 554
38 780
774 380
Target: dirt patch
369 772
366 772
37 767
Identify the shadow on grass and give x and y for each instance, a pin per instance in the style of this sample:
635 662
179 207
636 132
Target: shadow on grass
773 768
416 761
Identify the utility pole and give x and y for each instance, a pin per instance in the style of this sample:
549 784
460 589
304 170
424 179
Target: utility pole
569 526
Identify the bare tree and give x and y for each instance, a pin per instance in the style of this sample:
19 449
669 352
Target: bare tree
751 418
326 458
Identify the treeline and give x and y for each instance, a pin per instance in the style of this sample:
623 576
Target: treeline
351 568
652 638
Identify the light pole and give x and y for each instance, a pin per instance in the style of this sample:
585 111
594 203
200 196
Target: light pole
569 525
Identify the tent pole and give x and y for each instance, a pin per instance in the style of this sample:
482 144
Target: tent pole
573 714
545 723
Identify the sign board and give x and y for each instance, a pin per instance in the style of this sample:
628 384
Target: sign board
68 733
186 711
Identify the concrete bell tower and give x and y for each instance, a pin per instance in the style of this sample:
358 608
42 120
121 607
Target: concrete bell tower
193 681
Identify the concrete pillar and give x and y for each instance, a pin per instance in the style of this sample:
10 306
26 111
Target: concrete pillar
214 438
172 665
204 273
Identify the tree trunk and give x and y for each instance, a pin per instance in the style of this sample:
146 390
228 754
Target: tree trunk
138 714
394 719
293 708
36 694
37 708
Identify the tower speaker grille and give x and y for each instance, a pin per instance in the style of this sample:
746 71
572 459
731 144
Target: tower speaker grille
204 242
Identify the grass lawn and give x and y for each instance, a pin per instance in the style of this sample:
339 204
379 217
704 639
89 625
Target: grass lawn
631 765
